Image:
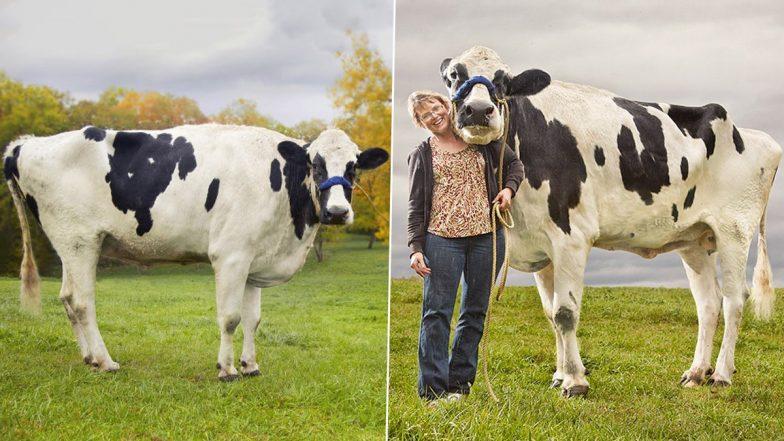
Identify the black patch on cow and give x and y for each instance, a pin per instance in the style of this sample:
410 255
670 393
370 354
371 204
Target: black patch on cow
94 133
10 165
689 198
442 70
737 140
141 170
564 319
598 156
674 213
320 175
33 206
684 168
275 177
212 194
349 174
458 76
549 152
645 172
296 169
696 122
654 105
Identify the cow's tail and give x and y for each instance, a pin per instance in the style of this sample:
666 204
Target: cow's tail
30 294
762 294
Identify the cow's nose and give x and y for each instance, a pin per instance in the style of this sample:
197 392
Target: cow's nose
338 211
485 109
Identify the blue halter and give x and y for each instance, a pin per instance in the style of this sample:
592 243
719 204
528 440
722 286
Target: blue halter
465 88
335 180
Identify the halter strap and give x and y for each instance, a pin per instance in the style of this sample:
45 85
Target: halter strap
335 180
465 88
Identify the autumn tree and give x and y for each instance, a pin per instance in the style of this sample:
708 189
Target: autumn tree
309 129
362 95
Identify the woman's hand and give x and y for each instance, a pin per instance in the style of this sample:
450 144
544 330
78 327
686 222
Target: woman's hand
418 264
504 199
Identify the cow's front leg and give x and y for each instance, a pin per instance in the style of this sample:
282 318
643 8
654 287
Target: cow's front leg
251 314
230 276
569 267
544 284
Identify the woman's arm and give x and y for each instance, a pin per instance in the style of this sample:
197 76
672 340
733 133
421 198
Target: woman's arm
513 170
416 202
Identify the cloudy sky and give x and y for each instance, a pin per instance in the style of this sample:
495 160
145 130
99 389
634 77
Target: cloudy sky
279 53
688 53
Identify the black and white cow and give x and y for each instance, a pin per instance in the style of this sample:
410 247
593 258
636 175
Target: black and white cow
604 171
246 199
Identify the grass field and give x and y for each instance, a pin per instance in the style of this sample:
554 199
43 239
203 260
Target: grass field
321 345
636 342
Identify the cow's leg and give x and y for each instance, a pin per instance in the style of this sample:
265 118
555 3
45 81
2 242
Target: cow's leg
569 260
544 284
733 253
701 271
230 276
251 314
80 260
66 297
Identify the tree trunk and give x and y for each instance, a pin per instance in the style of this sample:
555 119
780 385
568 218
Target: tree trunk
372 239
318 244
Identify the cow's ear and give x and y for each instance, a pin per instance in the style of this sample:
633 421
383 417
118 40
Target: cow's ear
372 158
293 152
529 82
444 65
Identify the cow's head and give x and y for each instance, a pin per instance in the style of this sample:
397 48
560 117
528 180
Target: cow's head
477 80
333 160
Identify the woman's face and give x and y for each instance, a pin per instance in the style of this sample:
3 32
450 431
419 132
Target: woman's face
434 116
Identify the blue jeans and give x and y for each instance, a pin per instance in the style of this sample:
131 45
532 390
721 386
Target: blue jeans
448 260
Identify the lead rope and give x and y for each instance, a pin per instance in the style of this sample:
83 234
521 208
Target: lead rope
506 220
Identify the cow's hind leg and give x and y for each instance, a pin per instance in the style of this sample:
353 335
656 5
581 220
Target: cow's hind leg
251 314
67 298
701 271
231 274
569 260
80 259
544 284
733 252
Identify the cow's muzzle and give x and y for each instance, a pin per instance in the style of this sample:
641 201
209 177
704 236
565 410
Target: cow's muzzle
475 114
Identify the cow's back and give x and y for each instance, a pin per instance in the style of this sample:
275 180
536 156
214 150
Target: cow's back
631 174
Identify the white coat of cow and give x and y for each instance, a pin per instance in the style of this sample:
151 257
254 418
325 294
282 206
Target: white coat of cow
246 199
603 171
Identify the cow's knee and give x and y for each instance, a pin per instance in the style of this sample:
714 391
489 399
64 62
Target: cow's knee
565 319
229 322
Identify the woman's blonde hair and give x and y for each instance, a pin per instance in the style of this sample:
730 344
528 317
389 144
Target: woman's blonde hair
419 97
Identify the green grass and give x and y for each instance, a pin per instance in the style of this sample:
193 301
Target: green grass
636 342
321 347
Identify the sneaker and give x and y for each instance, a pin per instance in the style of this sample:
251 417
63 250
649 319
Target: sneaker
454 397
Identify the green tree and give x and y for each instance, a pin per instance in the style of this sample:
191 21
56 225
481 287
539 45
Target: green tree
244 112
33 110
363 97
308 130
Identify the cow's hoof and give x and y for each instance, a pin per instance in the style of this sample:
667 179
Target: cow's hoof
556 383
695 378
111 366
229 377
577 390
254 373
88 360
718 383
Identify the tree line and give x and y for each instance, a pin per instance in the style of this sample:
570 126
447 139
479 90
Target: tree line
361 95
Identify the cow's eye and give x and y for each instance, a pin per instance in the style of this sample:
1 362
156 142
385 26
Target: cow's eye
453 75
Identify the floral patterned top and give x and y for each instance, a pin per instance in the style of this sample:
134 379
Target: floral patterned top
460 205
